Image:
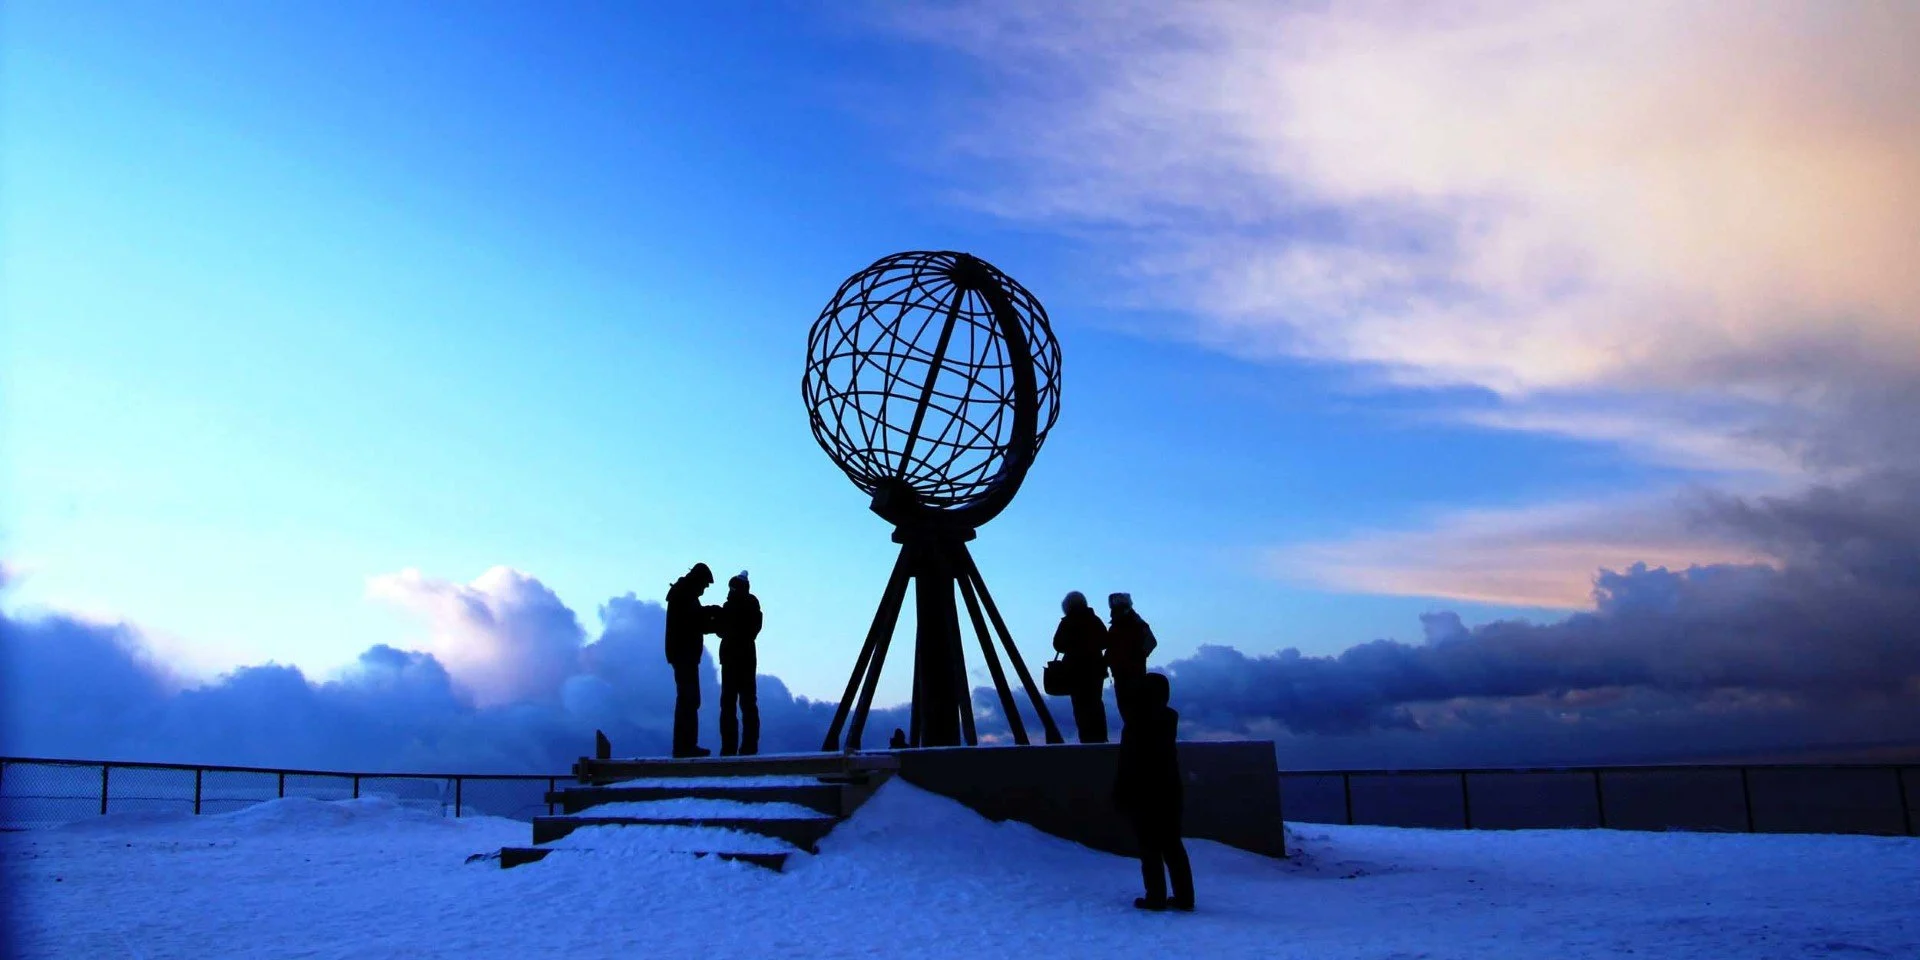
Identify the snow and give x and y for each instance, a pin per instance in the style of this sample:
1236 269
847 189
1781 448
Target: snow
916 875
696 807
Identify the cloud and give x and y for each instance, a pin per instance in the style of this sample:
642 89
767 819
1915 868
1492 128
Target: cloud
1536 556
518 692
1820 647
1823 645
1522 197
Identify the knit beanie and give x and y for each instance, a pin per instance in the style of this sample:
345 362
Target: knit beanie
739 580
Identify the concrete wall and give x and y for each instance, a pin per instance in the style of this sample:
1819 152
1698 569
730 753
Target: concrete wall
1232 790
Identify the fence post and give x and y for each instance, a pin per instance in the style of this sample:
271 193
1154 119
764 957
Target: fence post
457 782
1599 800
553 783
196 790
356 786
1746 795
1466 801
103 787
283 785
1346 787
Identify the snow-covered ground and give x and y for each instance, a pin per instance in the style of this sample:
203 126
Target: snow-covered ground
915 875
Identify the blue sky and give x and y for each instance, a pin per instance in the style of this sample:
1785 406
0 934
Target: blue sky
295 297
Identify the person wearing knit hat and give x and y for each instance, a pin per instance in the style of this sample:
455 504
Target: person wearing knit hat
1129 641
739 627
688 623
1081 641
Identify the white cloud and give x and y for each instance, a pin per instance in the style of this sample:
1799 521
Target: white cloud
1532 198
504 638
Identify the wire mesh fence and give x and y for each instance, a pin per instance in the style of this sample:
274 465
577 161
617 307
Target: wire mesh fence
36 792
1869 799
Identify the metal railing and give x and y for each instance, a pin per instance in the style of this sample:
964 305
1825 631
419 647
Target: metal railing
1756 798
1752 798
39 791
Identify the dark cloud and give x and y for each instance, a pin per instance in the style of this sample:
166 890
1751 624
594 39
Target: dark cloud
1824 647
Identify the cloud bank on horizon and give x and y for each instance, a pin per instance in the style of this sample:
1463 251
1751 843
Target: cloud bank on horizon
1684 232
1818 648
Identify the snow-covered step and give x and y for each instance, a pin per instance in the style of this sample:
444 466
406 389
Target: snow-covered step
830 799
652 839
801 826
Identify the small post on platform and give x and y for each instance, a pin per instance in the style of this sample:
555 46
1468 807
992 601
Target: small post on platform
1466 801
1599 800
1746 795
1906 811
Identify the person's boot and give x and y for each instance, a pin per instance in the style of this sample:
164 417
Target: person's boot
1142 903
1184 906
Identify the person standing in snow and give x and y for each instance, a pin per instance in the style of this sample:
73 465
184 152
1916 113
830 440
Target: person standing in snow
1147 790
688 623
739 659
1081 640
1129 641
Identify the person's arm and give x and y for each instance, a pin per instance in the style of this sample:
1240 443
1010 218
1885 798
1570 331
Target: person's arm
1060 637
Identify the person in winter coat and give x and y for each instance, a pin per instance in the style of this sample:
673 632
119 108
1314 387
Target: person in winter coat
1147 790
739 660
1129 641
688 623
1081 640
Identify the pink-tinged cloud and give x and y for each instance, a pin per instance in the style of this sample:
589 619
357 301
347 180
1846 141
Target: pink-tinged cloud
1542 556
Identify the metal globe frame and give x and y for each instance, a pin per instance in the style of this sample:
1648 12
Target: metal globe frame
932 380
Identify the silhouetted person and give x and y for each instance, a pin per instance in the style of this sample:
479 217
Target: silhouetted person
688 623
1081 640
1147 790
899 741
738 627
1129 640
602 747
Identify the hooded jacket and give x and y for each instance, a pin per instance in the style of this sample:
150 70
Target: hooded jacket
688 622
1147 783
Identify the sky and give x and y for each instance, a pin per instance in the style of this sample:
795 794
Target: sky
333 330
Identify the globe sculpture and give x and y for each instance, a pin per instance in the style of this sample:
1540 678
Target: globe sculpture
932 380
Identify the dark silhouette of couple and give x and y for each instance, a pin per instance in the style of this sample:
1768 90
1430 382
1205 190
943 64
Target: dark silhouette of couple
737 623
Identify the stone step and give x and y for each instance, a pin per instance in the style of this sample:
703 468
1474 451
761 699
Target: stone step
515 856
802 832
831 799
591 771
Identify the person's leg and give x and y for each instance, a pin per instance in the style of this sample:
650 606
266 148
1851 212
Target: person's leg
1152 864
686 708
749 687
1178 866
729 695
1097 711
1089 716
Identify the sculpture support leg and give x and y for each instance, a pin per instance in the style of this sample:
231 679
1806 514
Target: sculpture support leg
972 571
1007 707
866 671
937 639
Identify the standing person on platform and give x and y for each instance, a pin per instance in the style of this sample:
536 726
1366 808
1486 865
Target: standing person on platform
1081 639
739 659
1129 641
688 623
1147 790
